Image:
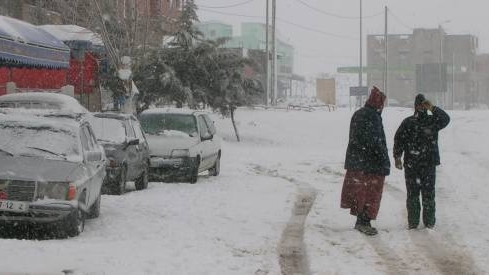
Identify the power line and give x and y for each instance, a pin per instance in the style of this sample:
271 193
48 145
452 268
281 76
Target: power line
400 21
227 6
337 15
286 22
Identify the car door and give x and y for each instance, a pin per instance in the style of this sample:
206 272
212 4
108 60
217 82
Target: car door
132 153
92 167
100 171
205 144
143 143
215 142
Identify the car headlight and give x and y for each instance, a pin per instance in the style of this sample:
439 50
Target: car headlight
180 153
53 190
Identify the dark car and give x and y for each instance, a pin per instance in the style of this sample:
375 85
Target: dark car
126 148
51 171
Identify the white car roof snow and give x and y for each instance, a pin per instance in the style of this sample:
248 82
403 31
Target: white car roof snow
172 110
63 102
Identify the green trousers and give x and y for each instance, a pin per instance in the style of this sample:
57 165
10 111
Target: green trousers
421 181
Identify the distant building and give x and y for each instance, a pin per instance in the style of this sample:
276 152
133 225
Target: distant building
215 30
428 60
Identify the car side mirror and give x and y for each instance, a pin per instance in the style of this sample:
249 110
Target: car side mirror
206 136
133 142
93 156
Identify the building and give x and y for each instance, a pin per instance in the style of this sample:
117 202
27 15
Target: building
428 60
253 37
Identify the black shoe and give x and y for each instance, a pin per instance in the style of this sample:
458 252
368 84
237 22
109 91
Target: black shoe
366 229
412 226
429 226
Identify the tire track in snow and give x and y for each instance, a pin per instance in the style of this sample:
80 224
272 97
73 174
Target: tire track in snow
291 249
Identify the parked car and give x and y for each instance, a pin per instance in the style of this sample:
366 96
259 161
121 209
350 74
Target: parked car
126 149
42 100
51 171
182 143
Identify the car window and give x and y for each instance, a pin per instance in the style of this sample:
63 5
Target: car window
204 130
210 124
91 145
109 130
137 129
130 130
156 124
84 140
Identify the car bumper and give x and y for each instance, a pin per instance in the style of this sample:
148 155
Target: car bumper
40 213
162 168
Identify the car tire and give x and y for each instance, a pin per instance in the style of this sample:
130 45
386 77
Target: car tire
75 223
94 211
194 172
119 187
216 169
142 182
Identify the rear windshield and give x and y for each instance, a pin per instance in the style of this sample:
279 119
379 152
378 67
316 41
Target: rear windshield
156 124
109 130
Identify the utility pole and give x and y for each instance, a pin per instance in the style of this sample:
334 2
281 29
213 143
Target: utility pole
360 72
267 54
274 54
386 51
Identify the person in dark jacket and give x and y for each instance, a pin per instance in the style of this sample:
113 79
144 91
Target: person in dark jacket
367 163
417 139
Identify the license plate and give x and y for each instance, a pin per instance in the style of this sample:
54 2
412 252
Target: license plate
14 206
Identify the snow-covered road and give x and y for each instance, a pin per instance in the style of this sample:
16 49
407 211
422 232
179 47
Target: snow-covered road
241 221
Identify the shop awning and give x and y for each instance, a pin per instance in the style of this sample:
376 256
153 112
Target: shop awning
23 44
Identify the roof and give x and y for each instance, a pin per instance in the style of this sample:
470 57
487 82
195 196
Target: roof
114 115
64 102
24 44
40 121
73 33
171 110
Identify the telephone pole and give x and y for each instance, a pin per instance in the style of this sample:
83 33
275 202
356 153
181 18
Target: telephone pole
386 51
267 54
274 54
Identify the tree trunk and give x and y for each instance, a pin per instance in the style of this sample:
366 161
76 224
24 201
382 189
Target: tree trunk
234 124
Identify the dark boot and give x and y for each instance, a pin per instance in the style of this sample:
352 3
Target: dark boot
363 225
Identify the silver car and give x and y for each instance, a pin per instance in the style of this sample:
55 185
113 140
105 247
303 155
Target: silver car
51 171
182 143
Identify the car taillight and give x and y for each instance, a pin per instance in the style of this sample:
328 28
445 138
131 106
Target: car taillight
71 192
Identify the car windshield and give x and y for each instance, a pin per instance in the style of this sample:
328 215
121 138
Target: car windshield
36 140
109 130
155 124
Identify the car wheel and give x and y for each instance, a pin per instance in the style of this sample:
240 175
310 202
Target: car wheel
194 172
95 209
142 182
119 187
216 169
75 223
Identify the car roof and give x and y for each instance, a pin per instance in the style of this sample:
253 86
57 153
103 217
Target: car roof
171 110
114 115
65 102
41 121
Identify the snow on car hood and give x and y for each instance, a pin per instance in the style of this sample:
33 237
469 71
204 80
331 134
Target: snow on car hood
38 169
162 145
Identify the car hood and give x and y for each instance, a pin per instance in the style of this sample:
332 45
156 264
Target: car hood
160 145
38 169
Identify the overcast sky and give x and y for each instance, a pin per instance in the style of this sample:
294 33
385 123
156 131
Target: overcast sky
318 52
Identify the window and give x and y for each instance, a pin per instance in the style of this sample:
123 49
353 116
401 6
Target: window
137 129
204 131
210 124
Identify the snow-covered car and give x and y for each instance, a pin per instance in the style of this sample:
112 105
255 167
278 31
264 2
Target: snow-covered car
51 171
42 100
182 143
126 149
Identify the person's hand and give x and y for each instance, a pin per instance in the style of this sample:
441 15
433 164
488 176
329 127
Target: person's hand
399 163
427 105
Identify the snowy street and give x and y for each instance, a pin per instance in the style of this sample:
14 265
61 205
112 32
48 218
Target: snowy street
248 219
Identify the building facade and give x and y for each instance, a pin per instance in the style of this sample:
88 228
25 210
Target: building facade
428 60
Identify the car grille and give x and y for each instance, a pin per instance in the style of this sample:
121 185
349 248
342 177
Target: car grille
20 190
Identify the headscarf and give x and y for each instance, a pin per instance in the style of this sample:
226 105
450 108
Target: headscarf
419 112
376 99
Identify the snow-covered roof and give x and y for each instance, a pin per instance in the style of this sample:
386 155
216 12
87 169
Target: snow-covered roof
40 121
59 101
73 33
170 110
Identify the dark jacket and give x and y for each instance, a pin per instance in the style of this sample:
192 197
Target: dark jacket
417 138
367 149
